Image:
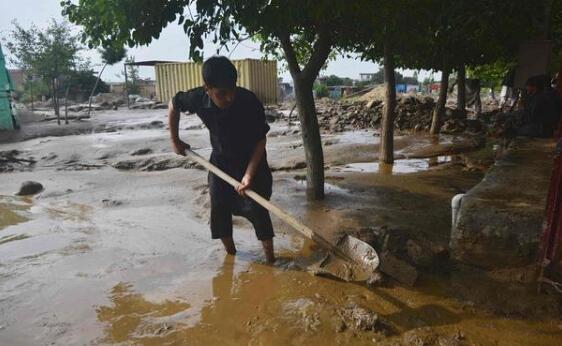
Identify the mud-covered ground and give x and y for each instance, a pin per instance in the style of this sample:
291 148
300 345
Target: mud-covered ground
116 249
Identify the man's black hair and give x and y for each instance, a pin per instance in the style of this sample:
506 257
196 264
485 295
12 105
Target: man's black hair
219 72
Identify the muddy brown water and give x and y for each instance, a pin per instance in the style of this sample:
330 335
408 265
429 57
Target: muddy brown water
124 257
116 284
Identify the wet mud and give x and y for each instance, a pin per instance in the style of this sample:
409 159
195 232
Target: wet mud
124 256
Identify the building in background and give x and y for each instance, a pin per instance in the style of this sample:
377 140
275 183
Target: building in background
18 78
365 77
412 88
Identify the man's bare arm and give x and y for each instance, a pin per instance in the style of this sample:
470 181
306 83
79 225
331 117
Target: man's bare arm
255 160
173 123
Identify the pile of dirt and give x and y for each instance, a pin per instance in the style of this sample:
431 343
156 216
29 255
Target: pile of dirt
377 94
412 113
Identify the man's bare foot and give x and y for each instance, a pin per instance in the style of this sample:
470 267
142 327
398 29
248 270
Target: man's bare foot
229 245
268 251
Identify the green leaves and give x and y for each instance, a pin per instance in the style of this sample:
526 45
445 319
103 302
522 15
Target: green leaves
123 22
48 53
112 54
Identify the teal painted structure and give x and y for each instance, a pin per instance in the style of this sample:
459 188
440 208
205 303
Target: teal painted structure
8 116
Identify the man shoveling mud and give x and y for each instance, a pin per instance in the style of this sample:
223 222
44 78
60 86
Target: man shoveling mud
237 127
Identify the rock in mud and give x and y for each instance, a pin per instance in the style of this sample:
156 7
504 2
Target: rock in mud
305 312
375 280
271 116
426 336
28 188
398 269
111 202
361 319
424 253
143 151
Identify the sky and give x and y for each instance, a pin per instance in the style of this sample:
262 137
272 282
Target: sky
172 45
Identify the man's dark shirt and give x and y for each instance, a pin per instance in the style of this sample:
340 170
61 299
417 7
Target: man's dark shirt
234 132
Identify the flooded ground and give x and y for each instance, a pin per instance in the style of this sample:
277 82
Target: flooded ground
108 255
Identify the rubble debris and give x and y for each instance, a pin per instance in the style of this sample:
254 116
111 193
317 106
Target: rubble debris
11 161
427 336
306 312
143 151
398 269
272 115
111 202
340 116
155 164
375 280
426 254
361 319
413 113
28 188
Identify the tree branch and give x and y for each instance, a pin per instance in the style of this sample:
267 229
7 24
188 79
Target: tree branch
320 52
289 51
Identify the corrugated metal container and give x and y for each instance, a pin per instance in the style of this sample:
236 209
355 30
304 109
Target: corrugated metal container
259 76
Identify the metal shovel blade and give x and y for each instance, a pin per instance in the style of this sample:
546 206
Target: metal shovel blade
359 264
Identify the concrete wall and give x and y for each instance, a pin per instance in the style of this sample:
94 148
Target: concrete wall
147 88
500 219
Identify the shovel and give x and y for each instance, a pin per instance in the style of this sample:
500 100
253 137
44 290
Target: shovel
360 260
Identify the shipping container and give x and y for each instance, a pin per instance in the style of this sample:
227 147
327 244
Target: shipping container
8 116
259 76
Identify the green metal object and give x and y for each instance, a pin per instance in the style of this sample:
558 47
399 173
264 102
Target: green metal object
8 116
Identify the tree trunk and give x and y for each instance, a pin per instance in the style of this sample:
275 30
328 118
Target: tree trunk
31 86
387 128
94 90
461 88
311 138
56 100
126 86
440 107
66 104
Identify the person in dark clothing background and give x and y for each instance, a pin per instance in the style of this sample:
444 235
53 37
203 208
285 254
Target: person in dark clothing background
541 109
237 127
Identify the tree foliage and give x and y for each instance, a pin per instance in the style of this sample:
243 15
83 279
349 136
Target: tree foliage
378 78
491 74
333 80
321 90
49 54
81 82
112 54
